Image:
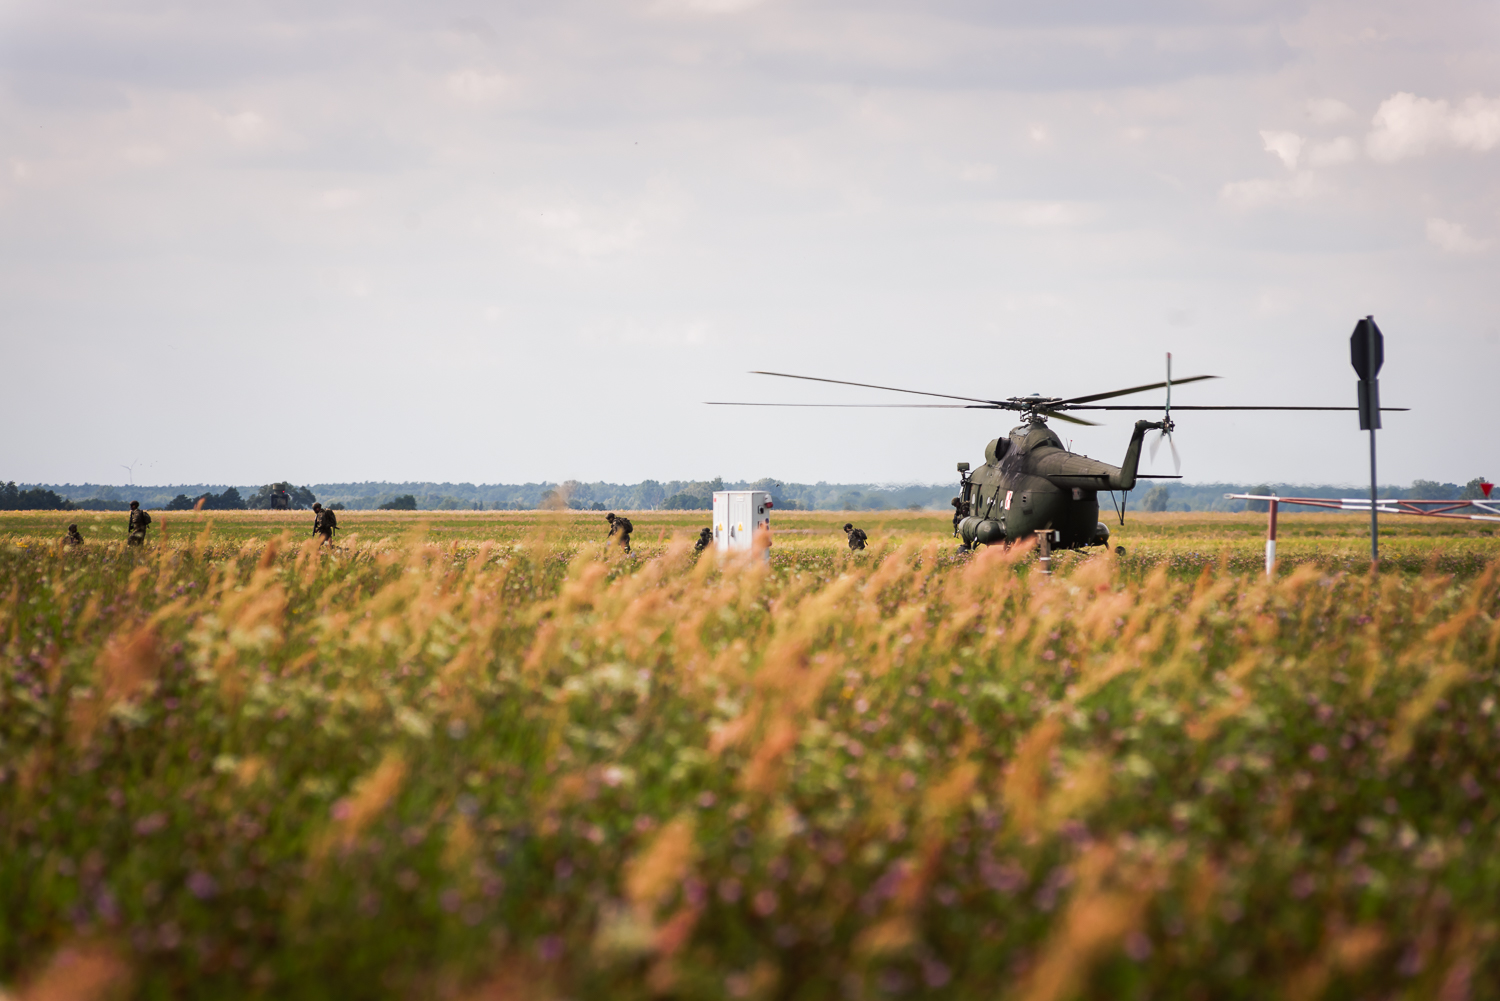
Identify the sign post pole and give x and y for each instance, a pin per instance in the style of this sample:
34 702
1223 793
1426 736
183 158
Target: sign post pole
1367 354
1374 504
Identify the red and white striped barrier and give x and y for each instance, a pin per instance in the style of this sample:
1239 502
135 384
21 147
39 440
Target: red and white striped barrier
1466 510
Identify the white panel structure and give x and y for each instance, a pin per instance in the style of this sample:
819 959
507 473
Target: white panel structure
742 520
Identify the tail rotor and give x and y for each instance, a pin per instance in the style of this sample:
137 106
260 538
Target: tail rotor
1167 425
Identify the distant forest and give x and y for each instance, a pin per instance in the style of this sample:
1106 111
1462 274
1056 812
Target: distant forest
646 495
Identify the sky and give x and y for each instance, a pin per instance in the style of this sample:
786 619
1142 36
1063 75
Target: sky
454 241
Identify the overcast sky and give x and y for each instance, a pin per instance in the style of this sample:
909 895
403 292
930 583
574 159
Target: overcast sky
340 241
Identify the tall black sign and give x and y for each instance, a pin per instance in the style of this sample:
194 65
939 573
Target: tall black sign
1367 354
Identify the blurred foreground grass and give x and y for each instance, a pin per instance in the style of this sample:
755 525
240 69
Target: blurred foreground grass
507 762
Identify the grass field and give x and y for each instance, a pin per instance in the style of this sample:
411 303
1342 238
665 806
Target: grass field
1183 541
482 756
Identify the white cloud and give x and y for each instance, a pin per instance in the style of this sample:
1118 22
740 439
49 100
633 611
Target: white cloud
704 6
1329 154
565 232
144 154
245 127
1452 237
1287 145
352 282
976 171
1327 111
477 87
1262 191
1039 215
1406 125
333 200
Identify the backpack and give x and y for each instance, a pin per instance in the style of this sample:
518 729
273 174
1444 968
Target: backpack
624 526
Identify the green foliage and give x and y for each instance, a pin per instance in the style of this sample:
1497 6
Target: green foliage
1258 507
298 498
1156 498
1431 490
229 500
1472 490
13 498
405 502
688 502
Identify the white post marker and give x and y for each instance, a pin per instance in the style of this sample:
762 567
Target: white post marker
1271 539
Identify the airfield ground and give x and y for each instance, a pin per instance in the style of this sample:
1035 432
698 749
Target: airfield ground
477 755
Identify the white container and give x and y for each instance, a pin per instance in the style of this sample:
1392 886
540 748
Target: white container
742 520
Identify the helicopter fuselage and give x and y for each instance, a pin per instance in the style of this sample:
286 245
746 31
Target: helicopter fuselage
1029 482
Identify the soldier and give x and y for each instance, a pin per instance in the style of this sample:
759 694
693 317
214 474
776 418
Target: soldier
620 526
139 522
857 537
324 523
705 539
72 538
960 512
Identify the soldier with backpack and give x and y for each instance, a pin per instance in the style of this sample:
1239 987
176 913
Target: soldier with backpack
621 526
324 524
139 522
705 539
857 537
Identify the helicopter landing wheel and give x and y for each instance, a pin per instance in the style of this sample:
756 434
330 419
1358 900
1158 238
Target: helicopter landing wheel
1119 550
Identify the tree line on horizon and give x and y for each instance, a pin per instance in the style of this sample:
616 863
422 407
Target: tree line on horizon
672 495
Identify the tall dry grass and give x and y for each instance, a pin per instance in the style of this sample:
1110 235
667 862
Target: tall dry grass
511 769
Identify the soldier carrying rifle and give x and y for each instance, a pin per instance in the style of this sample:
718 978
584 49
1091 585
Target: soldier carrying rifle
621 526
325 522
139 522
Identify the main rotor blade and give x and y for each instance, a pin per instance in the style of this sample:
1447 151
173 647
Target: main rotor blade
1049 414
917 406
893 389
1136 389
1125 407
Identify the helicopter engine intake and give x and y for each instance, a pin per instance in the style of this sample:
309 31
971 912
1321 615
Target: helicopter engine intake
981 531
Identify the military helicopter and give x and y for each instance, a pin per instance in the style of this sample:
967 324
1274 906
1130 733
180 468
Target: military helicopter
1029 481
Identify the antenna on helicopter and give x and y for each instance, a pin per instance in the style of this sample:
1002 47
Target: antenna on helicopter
1167 425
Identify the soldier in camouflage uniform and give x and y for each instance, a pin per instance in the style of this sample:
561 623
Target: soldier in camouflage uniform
324 524
857 537
139 522
705 539
960 512
621 526
72 538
